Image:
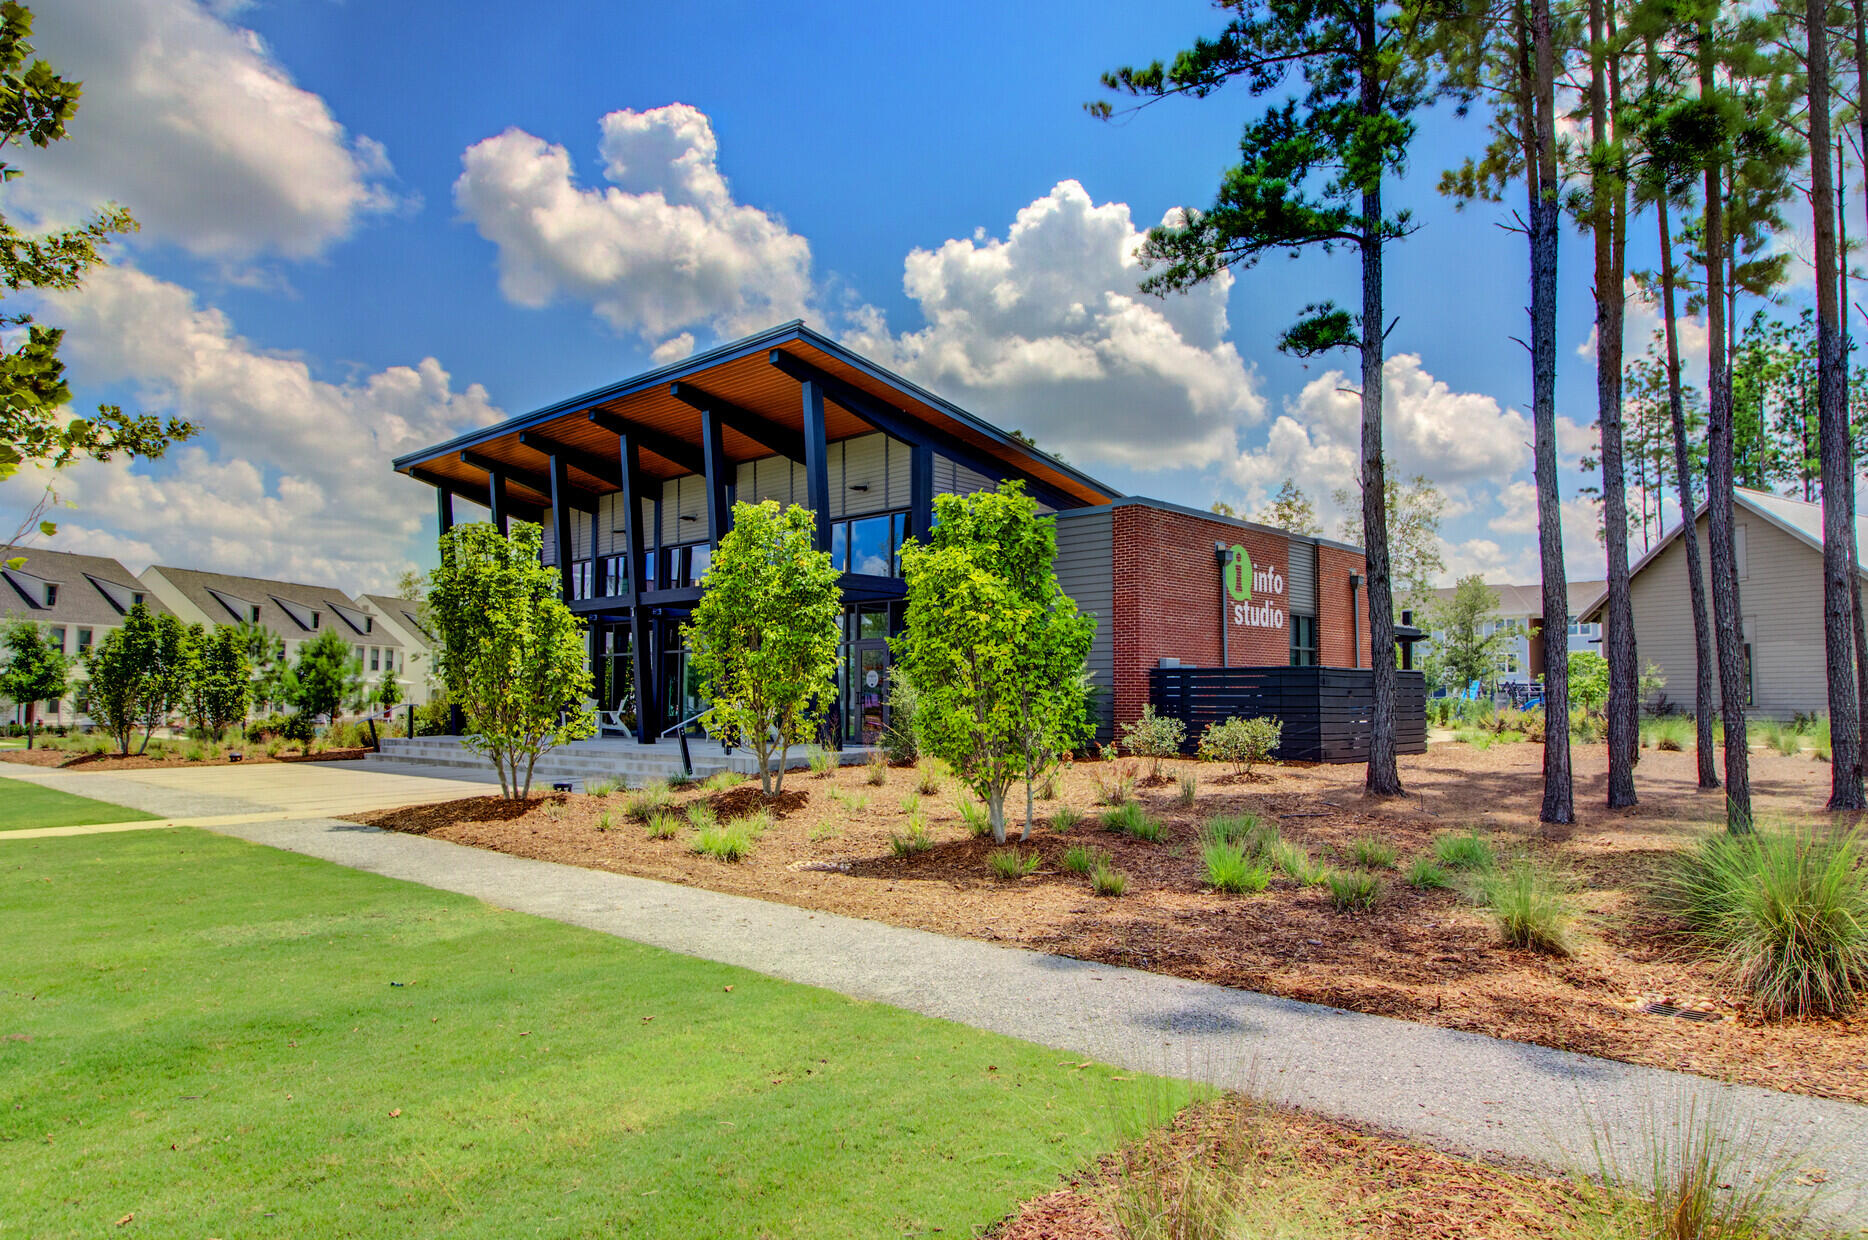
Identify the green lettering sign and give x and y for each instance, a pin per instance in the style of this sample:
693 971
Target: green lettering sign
1239 574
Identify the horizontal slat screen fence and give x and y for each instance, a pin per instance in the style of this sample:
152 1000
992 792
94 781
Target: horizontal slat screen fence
1325 710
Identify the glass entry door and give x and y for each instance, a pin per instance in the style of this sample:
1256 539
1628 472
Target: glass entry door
866 694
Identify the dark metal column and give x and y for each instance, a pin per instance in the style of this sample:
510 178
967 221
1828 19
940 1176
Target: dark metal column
713 453
921 491
816 461
496 497
561 523
444 509
642 666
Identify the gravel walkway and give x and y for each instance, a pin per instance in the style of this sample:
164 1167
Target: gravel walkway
1457 1090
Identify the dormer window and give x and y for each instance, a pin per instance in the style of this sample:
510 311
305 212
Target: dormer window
51 594
252 614
315 617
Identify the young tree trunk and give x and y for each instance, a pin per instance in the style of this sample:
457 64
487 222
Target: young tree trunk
1728 621
1545 210
1384 774
1610 198
995 813
1845 774
32 715
1689 509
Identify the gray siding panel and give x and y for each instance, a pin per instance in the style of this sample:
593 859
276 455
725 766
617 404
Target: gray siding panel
1085 563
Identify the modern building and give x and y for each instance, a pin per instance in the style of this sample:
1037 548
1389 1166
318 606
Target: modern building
292 611
1521 617
634 485
1778 546
75 598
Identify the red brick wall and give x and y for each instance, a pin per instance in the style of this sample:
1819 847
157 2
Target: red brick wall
1167 598
1342 633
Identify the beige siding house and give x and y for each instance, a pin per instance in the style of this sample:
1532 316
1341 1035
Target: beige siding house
1779 549
76 599
402 620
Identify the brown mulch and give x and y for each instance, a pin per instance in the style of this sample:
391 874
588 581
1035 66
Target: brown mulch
1425 956
749 799
101 762
1377 1185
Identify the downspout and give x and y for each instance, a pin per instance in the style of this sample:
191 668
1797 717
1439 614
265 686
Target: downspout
1355 610
1225 630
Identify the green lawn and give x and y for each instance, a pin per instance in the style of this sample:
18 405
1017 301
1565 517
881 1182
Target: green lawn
228 1040
24 805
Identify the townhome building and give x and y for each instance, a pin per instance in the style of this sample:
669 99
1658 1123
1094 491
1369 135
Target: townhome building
402 620
76 599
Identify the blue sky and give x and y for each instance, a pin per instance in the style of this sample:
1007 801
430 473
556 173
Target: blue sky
370 226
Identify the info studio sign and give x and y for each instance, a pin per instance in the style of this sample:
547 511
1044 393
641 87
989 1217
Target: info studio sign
1255 594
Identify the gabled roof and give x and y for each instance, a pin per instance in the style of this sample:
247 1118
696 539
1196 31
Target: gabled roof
1802 521
92 589
1528 599
400 612
291 609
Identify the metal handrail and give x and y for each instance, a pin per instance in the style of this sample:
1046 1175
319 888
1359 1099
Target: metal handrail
681 735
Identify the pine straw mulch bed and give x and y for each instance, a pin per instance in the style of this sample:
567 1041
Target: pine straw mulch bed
1300 1166
95 762
1425 956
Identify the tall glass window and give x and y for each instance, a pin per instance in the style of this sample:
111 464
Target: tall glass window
1303 641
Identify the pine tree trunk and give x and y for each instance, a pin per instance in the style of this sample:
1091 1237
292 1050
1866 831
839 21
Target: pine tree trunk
1610 205
1855 593
1845 774
1689 510
1384 774
1728 623
1545 211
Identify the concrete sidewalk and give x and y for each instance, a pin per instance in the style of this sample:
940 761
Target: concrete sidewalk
1457 1090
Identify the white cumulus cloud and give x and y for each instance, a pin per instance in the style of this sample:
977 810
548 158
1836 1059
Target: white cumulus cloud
193 125
291 475
1044 329
663 248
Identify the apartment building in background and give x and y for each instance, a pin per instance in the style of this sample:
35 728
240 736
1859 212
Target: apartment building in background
76 599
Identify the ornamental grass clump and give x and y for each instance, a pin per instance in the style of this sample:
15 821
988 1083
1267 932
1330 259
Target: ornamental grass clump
1529 908
1242 743
731 841
1189 791
1373 852
1294 862
1470 851
914 840
1082 859
1234 828
1426 874
1785 912
663 826
1229 869
650 799
1011 865
599 787
876 770
928 777
1352 890
1132 820
976 817
824 763
701 815
1106 880
1063 818
1116 786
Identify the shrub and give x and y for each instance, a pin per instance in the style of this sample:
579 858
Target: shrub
1132 820
1244 743
1064 818
974 815
1189 790
1106 880
1082 859
1785 912
1294 862
900 745
1154 737
1373 851
1426 874
876 772
914 840
599 787
1529 909
1010 864
1464 852
1228 869
663 826
1116 786
1352 890
651 798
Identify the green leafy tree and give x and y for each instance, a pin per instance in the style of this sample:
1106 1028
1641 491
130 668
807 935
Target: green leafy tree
170 675
326 676
1466 650
388 693
764 638
219 679
124 678
1291 509
1413 508
35 671
1312 172
510 652
1589 681
995 648
35 429
266 663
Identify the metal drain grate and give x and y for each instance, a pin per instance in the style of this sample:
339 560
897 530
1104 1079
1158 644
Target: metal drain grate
1668 1009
